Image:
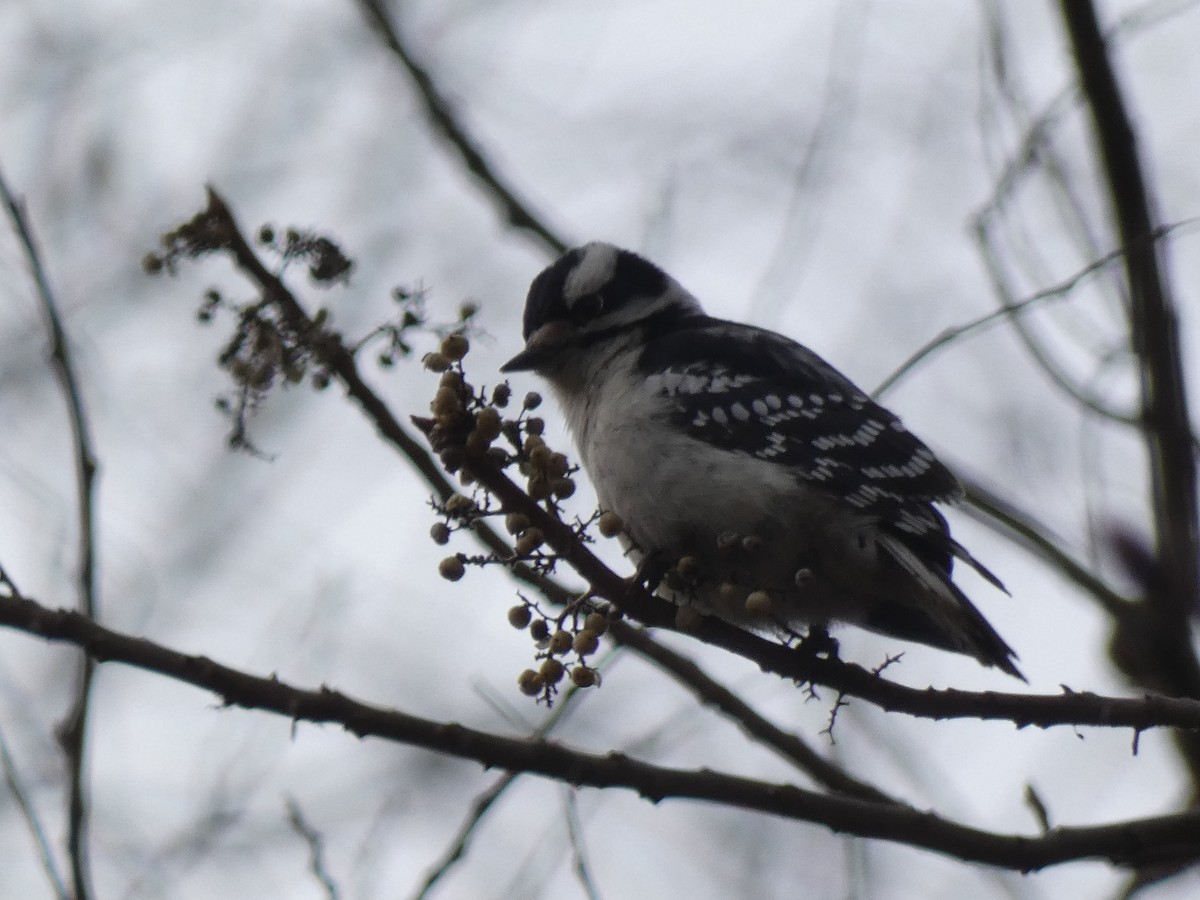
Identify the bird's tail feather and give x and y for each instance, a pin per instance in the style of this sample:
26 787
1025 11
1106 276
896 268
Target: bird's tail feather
942 616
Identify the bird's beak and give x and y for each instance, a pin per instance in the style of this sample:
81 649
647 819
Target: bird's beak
543 345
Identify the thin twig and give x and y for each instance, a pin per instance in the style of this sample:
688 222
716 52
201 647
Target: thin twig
1127 843
1024 527
13 779
446 124
316 848
788 745
485 801
72 732
1011 309
583 871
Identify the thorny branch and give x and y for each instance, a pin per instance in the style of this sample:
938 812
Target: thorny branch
72 731
1134 842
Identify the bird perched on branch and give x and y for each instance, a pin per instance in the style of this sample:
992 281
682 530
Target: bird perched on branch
769 488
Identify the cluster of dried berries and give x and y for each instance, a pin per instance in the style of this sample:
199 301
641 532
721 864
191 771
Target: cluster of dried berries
472 423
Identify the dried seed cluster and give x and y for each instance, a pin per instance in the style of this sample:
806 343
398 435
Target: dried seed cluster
564 643
468 423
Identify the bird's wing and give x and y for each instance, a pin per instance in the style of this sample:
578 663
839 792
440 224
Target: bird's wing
768 396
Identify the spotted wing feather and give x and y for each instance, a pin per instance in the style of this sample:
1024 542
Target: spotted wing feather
775 399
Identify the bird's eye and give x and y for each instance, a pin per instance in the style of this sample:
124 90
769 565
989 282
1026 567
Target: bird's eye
587 307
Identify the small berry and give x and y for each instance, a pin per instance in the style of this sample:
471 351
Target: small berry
519 616
530 682
551 671
538 488
440 532
557 464
562 487
583 677
610 524
457 505
586 642
435 362
596 622
515 523
758 604
561 642
530 540
535 425
532 400
451 568
455 346
539 630
501 394
488 422
445 401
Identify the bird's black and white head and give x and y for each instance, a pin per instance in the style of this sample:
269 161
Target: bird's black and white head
592 297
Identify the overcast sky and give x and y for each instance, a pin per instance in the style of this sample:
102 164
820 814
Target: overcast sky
815 168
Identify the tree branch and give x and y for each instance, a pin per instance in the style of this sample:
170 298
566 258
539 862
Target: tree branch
1156 645
72 731
1136 842
446 125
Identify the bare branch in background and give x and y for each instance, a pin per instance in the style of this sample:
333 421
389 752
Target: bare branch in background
45 852
1153 646
316 848
583 873
446 125
485 801
1011 309
1023 527
72 732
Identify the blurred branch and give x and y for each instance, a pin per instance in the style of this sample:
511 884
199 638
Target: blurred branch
993 509
72 731
1156 644
1136 842
1010 308
13 779
1034 344
787 745
447 125
583 872
316 850
485 801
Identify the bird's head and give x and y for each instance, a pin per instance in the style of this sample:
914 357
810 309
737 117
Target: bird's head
592 294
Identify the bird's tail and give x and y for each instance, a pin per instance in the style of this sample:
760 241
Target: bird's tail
937 613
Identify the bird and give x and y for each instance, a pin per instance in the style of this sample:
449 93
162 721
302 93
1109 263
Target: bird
772 491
